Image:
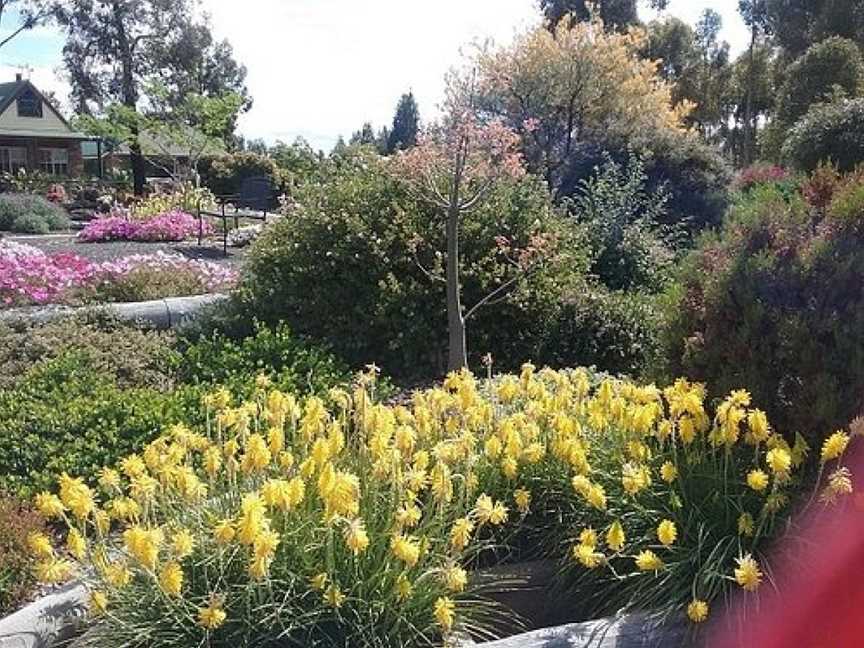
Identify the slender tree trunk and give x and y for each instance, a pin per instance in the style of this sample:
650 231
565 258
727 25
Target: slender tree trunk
130 96
458 348
749 122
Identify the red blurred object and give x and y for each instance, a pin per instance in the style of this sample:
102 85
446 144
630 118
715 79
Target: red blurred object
819 601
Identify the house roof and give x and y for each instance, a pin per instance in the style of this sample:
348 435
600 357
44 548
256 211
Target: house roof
10 91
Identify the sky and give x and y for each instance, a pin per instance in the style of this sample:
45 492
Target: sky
320 68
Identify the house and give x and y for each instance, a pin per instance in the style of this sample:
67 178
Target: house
34 135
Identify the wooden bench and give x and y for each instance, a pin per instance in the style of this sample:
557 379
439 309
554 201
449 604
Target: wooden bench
256 201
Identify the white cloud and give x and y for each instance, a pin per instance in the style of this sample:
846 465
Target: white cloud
321 68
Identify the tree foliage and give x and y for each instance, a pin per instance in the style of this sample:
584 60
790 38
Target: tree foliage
616 14
406 124
558 89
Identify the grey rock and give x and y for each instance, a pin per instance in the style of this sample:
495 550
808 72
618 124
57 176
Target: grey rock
47 621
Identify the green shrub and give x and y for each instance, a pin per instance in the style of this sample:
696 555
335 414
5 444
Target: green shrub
621 218
78 405
775 304
225 175
694 174
345 267
31 214
831 66
64 416
832 133
291 363
615 331
17 580
126 354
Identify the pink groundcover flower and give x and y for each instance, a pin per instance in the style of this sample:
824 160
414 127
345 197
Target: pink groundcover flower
29 276
170 226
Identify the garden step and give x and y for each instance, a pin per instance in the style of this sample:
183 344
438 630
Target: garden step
46 622
629 631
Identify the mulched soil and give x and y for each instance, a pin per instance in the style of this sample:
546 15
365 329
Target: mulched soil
209 250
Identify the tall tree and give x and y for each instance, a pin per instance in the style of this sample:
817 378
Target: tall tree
116 49
406 123
26 14
557 89
797 24
755 15
454 169
616 14
364 137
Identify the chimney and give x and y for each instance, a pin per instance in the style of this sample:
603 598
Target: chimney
18 76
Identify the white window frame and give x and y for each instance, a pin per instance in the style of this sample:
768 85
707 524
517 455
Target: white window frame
54 161
13 158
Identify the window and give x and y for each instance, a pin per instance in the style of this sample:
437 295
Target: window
13 158
54 161
29 104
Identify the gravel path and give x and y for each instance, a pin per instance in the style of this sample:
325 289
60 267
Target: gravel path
210 250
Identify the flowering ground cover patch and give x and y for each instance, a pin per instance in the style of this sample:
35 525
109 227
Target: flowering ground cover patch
174 225
339 520
29 276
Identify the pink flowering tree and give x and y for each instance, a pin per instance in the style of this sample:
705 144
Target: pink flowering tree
455 167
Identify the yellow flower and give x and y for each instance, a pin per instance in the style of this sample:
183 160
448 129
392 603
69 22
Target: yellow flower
76 496
667 533
588 537
40 545
257 455
510 467
587 555
757 422
757 480
697 611
522 497
265 543
408 515
779 460
259 567
746 525
54 570
356 537
445 613
183 543
143 545
212 461
483 508
319 581
615 537
668 472
406 549
747 574
49 505
839 483
171 578
98 602
460 533
212 616
834 446
455 578
76 544
118 575
499 514
334 596
109 479
224 532
597 497
648 561
404 589
634 478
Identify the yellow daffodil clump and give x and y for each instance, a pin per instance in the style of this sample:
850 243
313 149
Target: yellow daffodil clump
301 517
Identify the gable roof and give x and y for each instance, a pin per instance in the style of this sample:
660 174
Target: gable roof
10 91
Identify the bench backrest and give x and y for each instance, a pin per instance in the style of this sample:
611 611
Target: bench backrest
256 193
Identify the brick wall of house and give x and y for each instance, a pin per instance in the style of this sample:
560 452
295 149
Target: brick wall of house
76 161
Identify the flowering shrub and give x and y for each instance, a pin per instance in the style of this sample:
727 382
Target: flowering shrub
243 236
775 302
760 174
341 521
168 226
30 213
17 523
38 278
185 198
